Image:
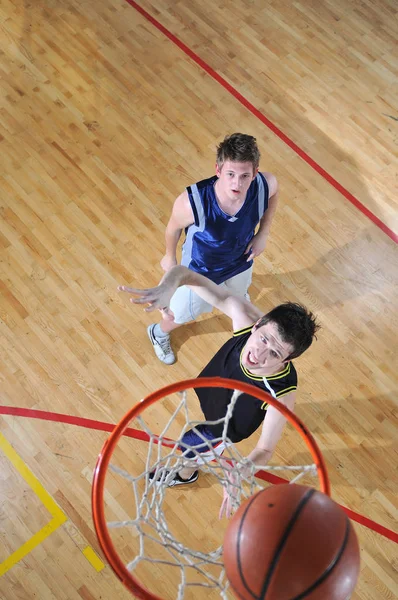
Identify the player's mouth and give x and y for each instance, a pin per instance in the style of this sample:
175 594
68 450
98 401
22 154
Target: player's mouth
251 360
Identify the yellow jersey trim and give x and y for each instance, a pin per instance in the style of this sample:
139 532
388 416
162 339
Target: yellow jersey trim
286 391
242 331
278 375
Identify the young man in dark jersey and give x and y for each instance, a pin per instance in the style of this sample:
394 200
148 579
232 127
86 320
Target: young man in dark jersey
219 216
260 352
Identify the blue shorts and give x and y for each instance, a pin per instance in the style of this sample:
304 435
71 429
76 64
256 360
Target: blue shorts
193 440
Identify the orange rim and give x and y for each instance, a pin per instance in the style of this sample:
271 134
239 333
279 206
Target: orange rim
104 457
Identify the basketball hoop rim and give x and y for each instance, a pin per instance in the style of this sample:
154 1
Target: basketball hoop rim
101 467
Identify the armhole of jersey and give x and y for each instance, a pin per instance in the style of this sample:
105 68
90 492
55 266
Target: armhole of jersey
291 383
277 395
193 206
263 194
286 391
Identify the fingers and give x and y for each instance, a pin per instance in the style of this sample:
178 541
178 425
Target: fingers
143 300
251 256
223 509
146 296
129 290
154 297
227 503
226 509
154 304
150 308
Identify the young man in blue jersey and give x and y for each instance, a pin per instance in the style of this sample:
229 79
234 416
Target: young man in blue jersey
260 352
219 216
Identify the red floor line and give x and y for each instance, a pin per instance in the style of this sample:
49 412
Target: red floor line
141 435
249 106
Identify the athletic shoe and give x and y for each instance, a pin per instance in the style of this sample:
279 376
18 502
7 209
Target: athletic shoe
177 480
161 346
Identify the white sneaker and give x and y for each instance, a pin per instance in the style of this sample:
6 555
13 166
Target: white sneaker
161 346
177 480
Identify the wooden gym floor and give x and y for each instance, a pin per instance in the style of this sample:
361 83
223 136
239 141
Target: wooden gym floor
107 111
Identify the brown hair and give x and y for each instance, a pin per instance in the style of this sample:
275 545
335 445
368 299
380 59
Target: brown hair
297 326
238 147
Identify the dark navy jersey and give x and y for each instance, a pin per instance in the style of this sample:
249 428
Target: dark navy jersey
249 412
215 243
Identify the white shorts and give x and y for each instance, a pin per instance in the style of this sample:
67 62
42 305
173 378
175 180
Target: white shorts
187 306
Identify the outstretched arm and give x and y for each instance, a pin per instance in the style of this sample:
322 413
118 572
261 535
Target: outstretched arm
271 432
241 312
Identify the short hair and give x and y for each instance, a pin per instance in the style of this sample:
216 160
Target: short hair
297 326
238 147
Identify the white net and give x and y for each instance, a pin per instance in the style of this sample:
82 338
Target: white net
169 537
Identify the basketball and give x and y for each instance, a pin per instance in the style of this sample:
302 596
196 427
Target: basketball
291 542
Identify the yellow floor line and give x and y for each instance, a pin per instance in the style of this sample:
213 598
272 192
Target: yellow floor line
30 479
28 546
93 558
58 516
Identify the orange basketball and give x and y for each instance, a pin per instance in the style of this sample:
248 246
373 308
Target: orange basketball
290 542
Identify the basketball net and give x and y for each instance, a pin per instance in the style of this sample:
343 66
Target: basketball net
155 543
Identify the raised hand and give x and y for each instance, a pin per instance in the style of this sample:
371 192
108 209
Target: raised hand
230 492
226 506
157 298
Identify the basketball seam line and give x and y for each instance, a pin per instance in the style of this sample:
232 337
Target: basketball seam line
330 568
283 541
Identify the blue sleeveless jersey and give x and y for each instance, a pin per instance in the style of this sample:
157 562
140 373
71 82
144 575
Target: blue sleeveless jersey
215 243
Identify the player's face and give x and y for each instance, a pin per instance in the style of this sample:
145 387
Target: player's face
234 179
265 352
